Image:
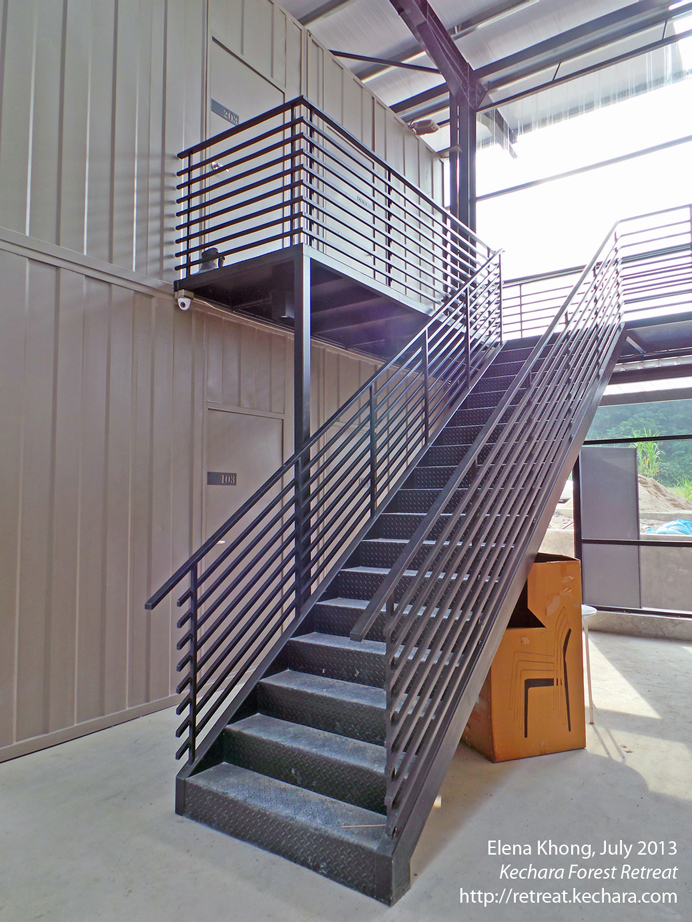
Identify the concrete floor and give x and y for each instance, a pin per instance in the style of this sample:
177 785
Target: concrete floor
87 829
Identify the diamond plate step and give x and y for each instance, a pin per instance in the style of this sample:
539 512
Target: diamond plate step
507 365
384 552
458 435
483 399
430 477
340 767
336 839
338 616
403 525
337 657
328 704
420 500
498 382
478 416
363 582
442 455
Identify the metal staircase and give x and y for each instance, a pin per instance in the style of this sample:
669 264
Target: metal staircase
334 645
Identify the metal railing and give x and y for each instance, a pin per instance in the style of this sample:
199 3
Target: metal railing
250 582
439 618
656 272
293 175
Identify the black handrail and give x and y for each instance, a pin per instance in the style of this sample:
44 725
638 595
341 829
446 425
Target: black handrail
438 616
656 268
294 175
288 539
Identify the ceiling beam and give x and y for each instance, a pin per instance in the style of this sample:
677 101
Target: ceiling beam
460 29
434 39
437 97
590 36
437 93
322 11
386 61
584 71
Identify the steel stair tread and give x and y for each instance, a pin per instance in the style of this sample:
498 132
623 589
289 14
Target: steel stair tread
345 603
339 642
291 805
299 737
374 571
383 571
327 687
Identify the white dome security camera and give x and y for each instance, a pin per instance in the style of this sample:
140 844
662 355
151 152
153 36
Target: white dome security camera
184 300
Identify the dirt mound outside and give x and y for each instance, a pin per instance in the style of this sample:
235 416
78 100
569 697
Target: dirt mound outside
654 497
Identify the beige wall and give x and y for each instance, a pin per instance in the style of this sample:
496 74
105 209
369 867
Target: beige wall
105 389
104 384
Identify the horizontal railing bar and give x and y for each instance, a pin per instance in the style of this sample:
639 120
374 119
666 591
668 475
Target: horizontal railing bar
454 238
247 216
279 500
406 285
235 130
248 187
633 542
352 139
245 611
244 232
228 180
238 655
280 517
230 151
258 559
240 597
349 475
401 246
408 269
240 234
222 698
318 569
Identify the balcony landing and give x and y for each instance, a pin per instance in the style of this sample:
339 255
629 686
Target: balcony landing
347 308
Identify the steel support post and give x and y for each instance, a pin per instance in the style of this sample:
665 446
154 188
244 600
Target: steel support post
462 160
576 510
301 418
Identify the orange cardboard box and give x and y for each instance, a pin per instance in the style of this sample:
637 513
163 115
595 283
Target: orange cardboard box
532 701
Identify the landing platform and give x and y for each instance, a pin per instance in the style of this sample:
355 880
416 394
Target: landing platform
347 308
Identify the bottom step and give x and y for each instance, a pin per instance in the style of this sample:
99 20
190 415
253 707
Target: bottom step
335 839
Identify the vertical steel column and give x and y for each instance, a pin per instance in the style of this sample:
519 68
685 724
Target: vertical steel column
301 419
462 159
576 510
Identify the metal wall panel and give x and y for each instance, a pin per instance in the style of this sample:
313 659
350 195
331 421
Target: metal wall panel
97 455
97 98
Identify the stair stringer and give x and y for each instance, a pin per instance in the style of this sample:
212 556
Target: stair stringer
394 875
